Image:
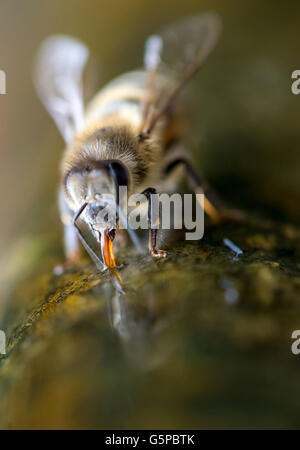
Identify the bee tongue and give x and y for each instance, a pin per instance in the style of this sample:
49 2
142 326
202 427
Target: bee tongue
107 248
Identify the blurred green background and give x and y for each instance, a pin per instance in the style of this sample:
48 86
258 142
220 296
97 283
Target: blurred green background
246 138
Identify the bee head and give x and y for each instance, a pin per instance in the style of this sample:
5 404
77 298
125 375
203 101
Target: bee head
97 183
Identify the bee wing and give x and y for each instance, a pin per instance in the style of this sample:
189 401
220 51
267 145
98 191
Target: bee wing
179 49
57 77
189 41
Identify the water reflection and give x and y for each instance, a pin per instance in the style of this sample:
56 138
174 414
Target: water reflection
134 319
231 294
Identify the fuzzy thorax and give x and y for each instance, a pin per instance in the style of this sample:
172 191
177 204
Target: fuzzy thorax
100 143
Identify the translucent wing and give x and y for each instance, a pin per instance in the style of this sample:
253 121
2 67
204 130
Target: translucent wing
58 71
179 49
189 41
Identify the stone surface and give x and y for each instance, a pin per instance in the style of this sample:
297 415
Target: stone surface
202 339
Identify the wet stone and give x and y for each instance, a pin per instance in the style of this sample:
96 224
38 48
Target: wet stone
202 339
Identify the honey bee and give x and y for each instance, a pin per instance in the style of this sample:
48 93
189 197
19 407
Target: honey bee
129 135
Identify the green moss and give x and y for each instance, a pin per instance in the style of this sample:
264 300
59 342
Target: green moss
199 340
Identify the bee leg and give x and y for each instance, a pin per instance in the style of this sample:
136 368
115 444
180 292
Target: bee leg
71 244
212 204
99 264
153 232
71 250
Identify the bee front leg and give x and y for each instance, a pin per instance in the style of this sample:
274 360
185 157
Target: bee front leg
71 244
153 232
71 250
